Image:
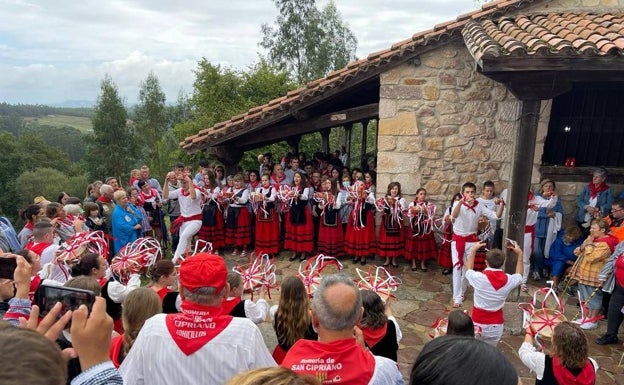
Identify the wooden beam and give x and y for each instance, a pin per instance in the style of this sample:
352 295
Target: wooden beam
520 179
558 63
276 133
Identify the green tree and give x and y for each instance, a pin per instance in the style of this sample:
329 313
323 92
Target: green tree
13 162
112 147
151 122
306 42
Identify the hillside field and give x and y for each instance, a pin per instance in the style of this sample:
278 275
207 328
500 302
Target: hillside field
80 122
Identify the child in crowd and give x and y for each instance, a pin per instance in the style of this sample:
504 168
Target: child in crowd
93 220
370 180
466 213
211 229
444 254
235 306
238 221
360 239
562 253
491 288
330 237
421 245
267 220
299 235
488 200
391 234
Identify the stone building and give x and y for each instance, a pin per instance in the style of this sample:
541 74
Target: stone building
483 97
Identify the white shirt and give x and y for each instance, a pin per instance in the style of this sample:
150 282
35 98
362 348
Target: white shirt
155 359
485 297
467 221
539 201
188 206
534 360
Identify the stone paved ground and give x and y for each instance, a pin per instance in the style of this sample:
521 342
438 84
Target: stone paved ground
424 297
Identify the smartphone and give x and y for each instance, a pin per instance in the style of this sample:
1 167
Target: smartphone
511 243
47 296
7 267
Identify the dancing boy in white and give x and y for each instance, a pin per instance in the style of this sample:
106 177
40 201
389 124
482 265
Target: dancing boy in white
465 216
491 288
190 219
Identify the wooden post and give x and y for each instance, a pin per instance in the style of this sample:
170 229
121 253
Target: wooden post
347 143
363 150
230 156
293 142
325 140
520 179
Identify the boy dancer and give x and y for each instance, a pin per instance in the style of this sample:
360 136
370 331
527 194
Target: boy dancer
465 216
491 288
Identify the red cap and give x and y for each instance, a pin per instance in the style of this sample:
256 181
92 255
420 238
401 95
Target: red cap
203 270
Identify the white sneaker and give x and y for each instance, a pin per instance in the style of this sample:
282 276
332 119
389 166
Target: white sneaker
536 276
578 321
589 325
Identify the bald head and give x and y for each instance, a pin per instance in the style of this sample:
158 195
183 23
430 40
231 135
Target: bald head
337 303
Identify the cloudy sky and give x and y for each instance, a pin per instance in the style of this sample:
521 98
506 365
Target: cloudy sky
54 51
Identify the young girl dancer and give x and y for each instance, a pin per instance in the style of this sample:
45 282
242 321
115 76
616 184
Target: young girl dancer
267 220
238 221
421 244
445 260
299 235
360 239
391 233
330 237
212 213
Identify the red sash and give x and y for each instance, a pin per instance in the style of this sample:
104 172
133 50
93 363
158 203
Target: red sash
487 317
337 362
115 350
229 303
530 230
196 326
460 246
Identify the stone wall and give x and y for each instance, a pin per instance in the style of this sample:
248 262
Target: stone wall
442 124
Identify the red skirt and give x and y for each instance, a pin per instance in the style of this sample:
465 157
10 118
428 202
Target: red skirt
213 234
361 242
479 261
391 243
299 238
267 234
241 234
445 259
420 247
330 240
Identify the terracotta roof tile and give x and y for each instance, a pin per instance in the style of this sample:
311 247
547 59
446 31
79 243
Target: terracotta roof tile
546 34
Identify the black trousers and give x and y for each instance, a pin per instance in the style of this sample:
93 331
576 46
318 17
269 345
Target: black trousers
615 316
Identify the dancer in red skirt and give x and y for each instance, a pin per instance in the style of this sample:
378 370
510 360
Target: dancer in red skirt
299 235
238 220
267 220
360 239
421 245
392 234
212 213
330 238
445 260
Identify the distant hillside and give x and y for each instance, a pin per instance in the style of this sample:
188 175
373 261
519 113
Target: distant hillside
81 123
39 110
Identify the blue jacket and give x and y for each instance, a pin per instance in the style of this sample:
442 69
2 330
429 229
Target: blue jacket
603 202
123 226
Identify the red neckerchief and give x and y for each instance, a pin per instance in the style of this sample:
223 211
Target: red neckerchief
34 285
373 336
196 326
471 207
341 362
29 225
115 350
587 376
37 247
497 278
162 293
610 240
104 199
595 190
184 192
254 185
279 181
229 303
368 185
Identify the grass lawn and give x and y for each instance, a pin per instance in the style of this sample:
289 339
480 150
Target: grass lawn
80 122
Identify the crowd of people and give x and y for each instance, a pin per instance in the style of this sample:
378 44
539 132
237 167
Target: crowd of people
323 208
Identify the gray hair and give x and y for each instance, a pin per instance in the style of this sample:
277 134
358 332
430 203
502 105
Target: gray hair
106 188
328 315
204 295
601 172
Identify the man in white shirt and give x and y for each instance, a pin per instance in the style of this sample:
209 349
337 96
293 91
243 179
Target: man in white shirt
201 345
